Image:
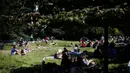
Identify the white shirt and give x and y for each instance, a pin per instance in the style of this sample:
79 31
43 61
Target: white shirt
129 64
86 61
75 48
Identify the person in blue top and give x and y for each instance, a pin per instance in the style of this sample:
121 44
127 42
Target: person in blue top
14 51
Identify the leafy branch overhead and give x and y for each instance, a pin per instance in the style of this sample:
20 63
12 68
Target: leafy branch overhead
68 16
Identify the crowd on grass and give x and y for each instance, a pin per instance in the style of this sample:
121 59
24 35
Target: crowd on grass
25 45
76 61
17 51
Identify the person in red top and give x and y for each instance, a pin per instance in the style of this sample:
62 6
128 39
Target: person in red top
46 39
82 42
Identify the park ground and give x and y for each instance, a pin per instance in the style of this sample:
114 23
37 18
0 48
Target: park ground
31 63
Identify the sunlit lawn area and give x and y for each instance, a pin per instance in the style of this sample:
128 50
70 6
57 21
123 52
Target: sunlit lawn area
8 62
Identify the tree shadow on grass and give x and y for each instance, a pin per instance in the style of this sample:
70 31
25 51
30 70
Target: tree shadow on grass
120 69
47 68
34 69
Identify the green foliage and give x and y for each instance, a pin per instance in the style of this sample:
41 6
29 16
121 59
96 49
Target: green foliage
82 21
12 18
67 15
114 31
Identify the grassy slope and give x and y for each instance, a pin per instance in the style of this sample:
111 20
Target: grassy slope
8 62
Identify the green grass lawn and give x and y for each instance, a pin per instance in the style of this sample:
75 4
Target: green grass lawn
34 58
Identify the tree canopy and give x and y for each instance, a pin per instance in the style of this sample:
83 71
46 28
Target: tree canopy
62 18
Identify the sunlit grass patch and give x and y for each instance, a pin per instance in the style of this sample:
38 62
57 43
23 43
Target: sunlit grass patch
9 62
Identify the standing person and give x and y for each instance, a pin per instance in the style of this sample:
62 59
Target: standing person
46 40
65 63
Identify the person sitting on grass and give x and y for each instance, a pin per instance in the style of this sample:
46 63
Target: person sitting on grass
95 45
75 48
91 44
88 62
78 51
85 60
82 42
58 54
23 52
85 52
27 47
14 51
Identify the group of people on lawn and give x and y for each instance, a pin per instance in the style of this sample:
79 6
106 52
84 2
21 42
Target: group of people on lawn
25 46
89 43
71 61
75 59
16 51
